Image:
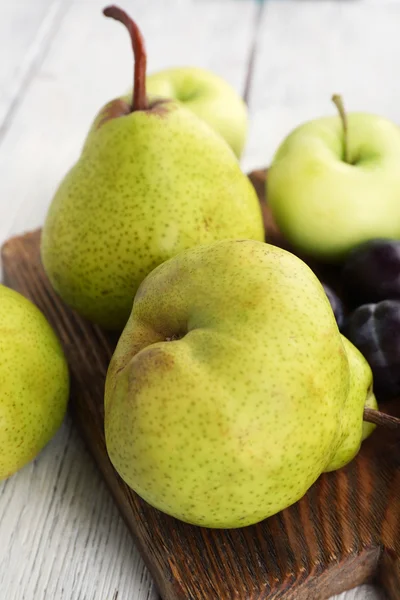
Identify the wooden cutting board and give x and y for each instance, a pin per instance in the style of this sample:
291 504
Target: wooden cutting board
345 531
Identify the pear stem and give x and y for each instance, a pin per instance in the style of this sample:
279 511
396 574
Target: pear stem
338 102
379 418
139 100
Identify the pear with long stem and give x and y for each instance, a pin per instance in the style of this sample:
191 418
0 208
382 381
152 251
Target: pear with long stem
152 180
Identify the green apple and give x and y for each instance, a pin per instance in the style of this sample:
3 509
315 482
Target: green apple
228 392
334 183
207 95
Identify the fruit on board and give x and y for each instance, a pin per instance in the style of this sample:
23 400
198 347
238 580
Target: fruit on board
371 272
209 96
34 382
152 180
375 330
226 395
334 183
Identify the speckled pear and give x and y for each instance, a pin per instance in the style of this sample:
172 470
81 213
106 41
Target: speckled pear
152 180
227 394
361 395
34 382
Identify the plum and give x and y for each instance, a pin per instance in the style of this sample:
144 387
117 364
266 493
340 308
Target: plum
371 272
375 330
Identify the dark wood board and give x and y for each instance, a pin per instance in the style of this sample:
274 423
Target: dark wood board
345 531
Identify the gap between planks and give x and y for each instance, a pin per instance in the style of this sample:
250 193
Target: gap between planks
253 50
34 58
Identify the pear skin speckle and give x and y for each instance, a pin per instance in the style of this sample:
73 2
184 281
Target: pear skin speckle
225 394
354 430
34 382
147 186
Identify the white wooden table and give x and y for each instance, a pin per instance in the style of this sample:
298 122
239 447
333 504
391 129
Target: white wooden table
61 536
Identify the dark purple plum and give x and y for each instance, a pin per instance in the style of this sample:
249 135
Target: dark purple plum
371 272
336 304
375 330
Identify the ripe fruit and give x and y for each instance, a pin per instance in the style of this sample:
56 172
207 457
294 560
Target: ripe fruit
372 272
375 330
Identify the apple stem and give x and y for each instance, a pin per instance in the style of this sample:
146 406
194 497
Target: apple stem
139 100
379 418
338 102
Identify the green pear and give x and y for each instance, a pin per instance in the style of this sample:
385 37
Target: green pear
209 96
360 395
334 183
152 180
225 396
34 382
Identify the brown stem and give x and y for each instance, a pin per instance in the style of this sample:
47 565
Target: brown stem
139 100
380 418
338 102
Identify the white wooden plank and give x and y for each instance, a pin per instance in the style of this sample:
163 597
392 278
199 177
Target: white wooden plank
364 592
61 534
25 28
308 50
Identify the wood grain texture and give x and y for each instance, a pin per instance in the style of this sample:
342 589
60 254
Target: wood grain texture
345 531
